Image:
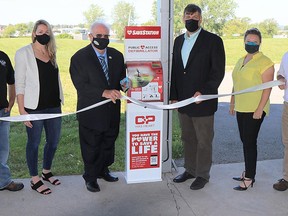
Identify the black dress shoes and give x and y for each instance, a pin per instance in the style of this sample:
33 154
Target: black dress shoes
92 186
183 177
198 183
107 176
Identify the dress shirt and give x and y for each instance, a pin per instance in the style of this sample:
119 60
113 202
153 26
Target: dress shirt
188 44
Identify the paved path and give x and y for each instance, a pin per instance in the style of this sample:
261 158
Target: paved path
164 198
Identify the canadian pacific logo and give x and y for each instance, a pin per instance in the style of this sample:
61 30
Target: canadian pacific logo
143 121
140 120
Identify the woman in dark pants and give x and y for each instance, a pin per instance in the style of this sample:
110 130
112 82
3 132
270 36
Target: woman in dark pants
39 90
253 69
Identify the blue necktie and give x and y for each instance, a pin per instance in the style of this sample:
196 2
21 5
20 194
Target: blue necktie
104 67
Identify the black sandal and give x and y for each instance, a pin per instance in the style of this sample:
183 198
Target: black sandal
47 176
38 185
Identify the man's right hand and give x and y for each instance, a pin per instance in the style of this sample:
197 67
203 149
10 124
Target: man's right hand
112 94
283 86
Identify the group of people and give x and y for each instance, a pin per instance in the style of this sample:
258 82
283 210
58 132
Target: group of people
198 67
96 72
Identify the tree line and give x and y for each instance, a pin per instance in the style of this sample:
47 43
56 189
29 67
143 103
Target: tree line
218 17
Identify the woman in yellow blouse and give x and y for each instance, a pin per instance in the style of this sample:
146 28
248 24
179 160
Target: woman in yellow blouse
253 69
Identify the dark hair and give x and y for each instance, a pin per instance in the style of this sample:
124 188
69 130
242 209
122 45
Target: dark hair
253 31
192 8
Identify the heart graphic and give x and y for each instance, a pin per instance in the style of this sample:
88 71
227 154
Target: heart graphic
142 46
129 32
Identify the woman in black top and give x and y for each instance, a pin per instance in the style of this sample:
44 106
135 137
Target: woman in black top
38 90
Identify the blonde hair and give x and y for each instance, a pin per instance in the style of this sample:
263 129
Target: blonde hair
51 46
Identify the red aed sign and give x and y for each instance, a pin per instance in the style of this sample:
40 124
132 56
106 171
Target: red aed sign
142 32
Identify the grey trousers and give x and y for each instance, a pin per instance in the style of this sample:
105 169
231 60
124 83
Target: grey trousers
197 136
285 139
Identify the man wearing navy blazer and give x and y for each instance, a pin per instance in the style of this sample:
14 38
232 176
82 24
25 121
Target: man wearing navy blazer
96 71
198 67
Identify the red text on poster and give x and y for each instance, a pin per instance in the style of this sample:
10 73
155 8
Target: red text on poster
144 149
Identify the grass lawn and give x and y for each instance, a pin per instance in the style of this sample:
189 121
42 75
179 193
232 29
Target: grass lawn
68 158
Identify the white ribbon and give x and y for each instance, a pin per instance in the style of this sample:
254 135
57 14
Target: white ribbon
34 117
205 97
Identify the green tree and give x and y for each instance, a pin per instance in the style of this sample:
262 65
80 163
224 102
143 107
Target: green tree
236 26
64 36
123 15
215 14
268 27
22 29
154 11
9 31
92 14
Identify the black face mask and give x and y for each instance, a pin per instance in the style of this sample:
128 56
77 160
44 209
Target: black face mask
191 25
43 39
100 43
251 47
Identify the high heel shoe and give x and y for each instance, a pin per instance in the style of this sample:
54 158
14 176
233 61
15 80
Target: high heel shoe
246 182
240 178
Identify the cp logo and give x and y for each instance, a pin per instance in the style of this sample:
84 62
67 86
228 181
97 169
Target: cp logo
140 120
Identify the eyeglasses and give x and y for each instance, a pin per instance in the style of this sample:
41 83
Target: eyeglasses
102 36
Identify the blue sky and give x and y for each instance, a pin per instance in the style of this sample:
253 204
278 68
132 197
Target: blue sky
71 12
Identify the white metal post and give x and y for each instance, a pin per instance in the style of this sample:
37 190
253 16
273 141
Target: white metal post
165 20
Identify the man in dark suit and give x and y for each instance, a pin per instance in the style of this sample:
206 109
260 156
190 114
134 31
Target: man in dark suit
198 67
96 71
